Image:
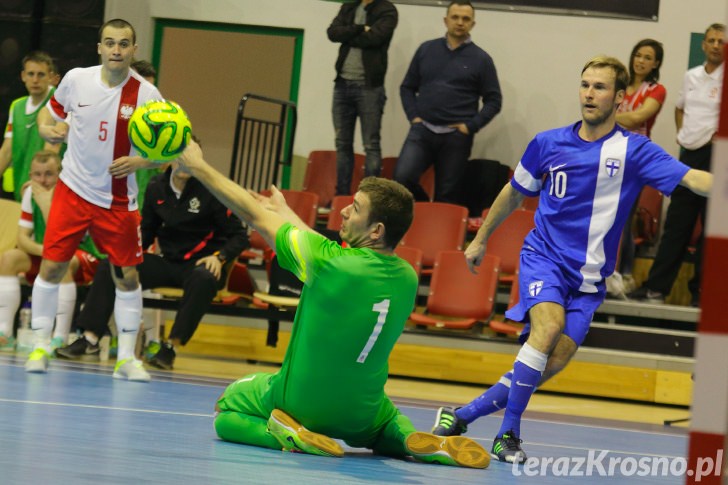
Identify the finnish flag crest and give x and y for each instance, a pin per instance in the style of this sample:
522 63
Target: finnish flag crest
534 288
612 165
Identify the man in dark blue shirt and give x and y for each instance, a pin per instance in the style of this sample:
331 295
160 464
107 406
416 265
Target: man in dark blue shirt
440 95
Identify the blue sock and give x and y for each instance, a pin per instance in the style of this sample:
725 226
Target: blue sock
527 372
492 400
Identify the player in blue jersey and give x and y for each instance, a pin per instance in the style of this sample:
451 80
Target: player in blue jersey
587 175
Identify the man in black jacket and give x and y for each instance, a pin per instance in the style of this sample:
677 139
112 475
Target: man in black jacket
196 236
364 28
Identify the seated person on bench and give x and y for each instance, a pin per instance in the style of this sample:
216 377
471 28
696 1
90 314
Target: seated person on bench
45 167
198 239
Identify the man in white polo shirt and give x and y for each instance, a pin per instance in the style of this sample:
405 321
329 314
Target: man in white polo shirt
696 116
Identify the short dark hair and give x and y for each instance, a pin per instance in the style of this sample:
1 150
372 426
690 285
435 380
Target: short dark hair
118 24
654 75
391 204
463 3
144 68
41 57
621 78
717 26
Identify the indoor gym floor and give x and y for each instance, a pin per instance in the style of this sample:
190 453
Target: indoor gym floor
78 425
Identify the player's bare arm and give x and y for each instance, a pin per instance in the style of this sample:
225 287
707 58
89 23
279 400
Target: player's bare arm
125 166
27 244
277 203
49 129
507 201
699 181
634 119
679 113
232 196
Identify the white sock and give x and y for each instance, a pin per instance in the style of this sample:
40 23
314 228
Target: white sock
45 307
9 303
128 315
150 335
91 338
66 305
149 326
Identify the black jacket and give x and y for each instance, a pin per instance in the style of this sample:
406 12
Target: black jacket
382 19
195 226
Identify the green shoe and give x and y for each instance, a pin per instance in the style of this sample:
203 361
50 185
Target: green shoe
447 450
507 448
56 343
37 361
114 347
295 438
151 349
448 424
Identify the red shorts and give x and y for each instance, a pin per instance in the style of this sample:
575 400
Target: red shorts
84 274
115 232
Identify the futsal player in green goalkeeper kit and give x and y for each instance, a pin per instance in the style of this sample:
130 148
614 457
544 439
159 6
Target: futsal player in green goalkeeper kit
353 308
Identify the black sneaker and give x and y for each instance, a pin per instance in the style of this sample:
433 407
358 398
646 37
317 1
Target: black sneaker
507 448
80 349
164 359
448 424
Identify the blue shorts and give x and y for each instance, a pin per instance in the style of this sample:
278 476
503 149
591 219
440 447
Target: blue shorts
540 279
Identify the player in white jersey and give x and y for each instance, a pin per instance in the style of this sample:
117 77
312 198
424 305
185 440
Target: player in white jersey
97 191
588 175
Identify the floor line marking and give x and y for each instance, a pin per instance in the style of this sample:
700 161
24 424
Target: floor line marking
111 408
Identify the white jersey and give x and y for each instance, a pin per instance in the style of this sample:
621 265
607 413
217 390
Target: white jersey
26 210
98 134
699 99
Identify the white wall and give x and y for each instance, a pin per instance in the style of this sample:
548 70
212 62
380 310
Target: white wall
538 58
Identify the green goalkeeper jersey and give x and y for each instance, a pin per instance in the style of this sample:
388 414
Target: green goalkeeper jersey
353 308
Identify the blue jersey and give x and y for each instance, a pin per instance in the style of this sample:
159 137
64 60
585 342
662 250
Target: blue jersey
586 192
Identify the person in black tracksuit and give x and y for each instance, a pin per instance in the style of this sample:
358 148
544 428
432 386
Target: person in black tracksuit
198 239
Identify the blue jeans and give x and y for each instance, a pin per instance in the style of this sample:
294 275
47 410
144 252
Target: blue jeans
449 152
352 99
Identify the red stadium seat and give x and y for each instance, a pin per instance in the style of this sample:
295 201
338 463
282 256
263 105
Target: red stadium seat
505 327
320 175
459 299
412 255
427 181
357 173
507 240
436 226
388 164
648 215
530 203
